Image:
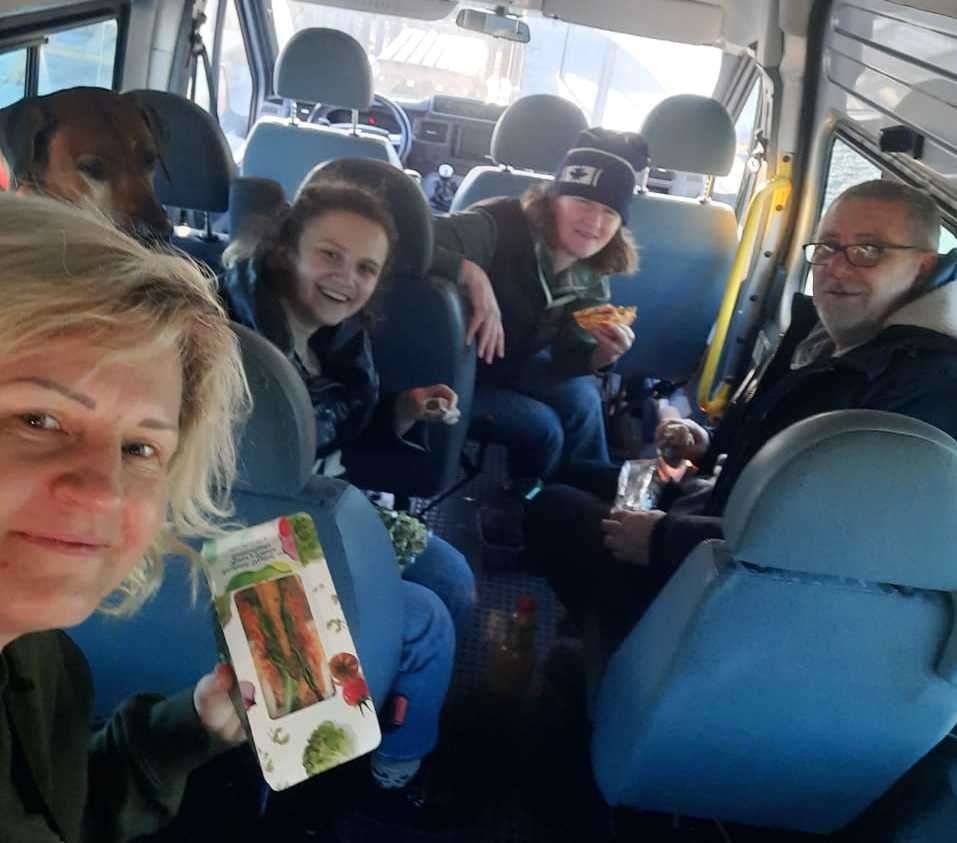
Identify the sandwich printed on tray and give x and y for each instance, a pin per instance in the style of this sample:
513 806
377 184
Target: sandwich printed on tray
307 705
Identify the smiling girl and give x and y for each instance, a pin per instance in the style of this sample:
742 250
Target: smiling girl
312 287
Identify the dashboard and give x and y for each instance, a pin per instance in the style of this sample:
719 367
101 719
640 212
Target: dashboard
445 130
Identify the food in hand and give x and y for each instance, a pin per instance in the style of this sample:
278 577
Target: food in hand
590 318
438 409
285 645
674 441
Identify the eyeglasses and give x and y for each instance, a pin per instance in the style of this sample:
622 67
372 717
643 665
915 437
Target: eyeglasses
863 255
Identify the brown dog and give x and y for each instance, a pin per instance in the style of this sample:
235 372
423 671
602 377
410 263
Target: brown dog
88 143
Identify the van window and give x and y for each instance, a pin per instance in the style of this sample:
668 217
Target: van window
847 168
617 79
726 188
85 55
13 76
947 241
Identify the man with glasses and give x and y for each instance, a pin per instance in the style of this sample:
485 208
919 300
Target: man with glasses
879 333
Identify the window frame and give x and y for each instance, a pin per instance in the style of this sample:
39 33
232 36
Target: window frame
249 49
31 31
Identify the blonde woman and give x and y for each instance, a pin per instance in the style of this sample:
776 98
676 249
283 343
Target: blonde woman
119 384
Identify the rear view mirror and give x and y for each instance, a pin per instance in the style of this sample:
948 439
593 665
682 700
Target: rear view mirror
497 24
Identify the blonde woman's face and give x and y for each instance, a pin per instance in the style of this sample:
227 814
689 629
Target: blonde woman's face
85 447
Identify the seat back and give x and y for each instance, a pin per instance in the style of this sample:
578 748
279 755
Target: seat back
788 675
169 643
685 246
419 341
530 139
196 171
317 65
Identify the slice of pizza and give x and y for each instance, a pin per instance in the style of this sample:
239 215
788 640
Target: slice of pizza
605 314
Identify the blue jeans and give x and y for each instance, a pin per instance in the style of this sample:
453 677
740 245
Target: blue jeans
442 569
546 420
425 669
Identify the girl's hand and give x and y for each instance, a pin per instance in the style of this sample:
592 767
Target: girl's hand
436 403
613 341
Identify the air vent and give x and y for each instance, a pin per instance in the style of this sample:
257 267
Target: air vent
433 131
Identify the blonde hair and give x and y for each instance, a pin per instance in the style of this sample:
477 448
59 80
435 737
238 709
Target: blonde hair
67 271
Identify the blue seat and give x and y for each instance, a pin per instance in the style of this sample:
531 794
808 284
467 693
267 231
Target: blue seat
169 644
530 139
316 66
196 172
685 246
420 340
789 674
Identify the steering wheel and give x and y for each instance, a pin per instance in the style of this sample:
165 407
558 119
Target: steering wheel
401 140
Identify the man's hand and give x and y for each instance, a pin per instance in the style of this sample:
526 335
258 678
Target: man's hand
485 321
214 707
681 439
613 341
436 403
628 534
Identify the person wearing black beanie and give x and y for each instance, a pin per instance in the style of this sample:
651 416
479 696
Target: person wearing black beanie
526 265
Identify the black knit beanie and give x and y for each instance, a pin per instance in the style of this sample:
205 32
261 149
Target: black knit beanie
602 167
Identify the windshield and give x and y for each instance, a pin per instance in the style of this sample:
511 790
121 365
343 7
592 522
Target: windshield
615 78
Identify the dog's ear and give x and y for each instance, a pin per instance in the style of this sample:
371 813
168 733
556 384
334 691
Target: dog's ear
157 127
25 129
152 118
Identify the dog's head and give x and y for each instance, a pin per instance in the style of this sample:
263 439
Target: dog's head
88 143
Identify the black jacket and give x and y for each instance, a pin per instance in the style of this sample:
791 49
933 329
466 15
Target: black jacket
495 235
345 396
61 782
910 367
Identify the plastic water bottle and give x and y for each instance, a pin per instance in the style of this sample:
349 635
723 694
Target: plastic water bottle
512 660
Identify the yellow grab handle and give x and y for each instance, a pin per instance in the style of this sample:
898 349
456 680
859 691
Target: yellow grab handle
775 192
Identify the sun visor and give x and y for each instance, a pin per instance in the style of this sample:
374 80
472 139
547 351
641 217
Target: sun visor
421 9
684 21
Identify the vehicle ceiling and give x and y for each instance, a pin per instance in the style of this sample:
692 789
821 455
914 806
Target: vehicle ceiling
730 24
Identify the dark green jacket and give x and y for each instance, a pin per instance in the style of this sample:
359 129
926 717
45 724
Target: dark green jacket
59 782
495 235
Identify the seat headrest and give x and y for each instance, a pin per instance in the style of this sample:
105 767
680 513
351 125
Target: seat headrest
860 494
690 133
413 217
253 198
536 131
325 66
277 447
197 163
